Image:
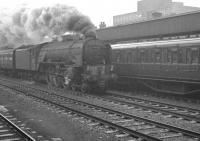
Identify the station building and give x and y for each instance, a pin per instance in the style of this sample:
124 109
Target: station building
151 9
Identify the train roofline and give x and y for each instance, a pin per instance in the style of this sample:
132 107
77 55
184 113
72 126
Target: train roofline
162 43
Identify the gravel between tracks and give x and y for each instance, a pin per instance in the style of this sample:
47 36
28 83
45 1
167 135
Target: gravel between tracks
49 122
171 121
159 118
160 99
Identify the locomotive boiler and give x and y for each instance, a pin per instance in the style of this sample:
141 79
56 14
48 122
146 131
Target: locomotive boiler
80 64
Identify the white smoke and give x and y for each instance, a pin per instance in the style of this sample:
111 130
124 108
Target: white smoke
27 26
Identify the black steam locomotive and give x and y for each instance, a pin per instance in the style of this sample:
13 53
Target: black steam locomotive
169 66
73 63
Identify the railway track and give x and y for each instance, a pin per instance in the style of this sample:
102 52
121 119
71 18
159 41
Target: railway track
195 99
10 132
169 110
119 123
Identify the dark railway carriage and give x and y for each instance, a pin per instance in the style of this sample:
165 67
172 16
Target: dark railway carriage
26 60
27 57
171 66
7 62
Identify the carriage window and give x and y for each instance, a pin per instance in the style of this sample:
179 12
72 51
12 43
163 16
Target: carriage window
169 56
181 58
194 55
157 56
174 57
123 57
32 52
133 57
164 55
147 56
151 56
188 56
118 56
129 57
142 56
136 56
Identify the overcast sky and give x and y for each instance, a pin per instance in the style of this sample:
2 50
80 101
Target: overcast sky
97 10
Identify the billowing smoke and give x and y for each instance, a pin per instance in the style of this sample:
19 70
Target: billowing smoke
29 26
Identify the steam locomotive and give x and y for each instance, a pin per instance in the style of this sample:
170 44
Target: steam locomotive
69 62
168 66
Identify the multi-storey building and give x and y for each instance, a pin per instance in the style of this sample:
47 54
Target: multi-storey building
151 9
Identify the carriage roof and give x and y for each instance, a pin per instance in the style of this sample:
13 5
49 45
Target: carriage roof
163 43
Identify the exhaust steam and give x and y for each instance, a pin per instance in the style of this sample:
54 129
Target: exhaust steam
31 26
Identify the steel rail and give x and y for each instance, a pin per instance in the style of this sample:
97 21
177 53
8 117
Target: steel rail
19 131
152 101
164 111
126 130
170 127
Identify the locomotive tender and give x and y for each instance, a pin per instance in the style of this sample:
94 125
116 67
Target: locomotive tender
73 63
169 66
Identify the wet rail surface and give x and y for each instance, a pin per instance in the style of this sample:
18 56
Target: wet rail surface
122 124
10 132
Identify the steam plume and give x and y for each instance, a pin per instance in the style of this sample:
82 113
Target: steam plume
28 26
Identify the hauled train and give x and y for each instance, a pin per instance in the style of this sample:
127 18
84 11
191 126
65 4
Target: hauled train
169 66
73 63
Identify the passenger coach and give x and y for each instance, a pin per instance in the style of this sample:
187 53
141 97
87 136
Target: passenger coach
6 61
170 66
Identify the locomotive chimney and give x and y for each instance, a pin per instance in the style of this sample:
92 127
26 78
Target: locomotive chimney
91 34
